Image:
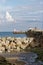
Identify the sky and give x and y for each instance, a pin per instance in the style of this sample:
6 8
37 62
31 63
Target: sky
20 14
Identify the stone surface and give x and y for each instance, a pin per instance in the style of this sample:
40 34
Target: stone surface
8 44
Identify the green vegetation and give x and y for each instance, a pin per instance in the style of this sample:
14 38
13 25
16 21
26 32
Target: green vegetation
39 51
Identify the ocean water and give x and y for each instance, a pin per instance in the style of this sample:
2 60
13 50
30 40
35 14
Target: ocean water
11 34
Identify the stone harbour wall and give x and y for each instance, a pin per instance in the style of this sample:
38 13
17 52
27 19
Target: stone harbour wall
9 44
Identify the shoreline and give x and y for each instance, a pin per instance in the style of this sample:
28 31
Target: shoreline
20 45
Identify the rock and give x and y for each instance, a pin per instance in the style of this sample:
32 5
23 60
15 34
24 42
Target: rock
12 39
0 45
7 43
3 42
11 43
19 43
34 43
18 48
9 38
2 49
9 51
0 40
4 39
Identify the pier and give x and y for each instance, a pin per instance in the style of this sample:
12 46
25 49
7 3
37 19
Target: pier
31 32
20 32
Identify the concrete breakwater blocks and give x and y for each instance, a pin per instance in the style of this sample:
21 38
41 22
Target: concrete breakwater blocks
9 44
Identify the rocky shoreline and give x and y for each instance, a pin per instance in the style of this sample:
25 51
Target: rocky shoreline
11 44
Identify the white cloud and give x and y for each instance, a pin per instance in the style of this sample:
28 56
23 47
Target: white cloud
9 17
0 21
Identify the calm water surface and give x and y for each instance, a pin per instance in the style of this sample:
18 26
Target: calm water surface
10 34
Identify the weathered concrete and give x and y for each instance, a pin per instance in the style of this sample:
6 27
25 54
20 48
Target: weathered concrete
9 44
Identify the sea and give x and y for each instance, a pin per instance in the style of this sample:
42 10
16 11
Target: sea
11 34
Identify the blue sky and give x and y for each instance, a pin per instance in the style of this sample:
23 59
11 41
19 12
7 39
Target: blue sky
20 14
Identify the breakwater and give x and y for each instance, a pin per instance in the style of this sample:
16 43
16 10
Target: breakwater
21 32
34 32
11 44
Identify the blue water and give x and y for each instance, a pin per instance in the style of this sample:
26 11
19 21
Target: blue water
10 34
